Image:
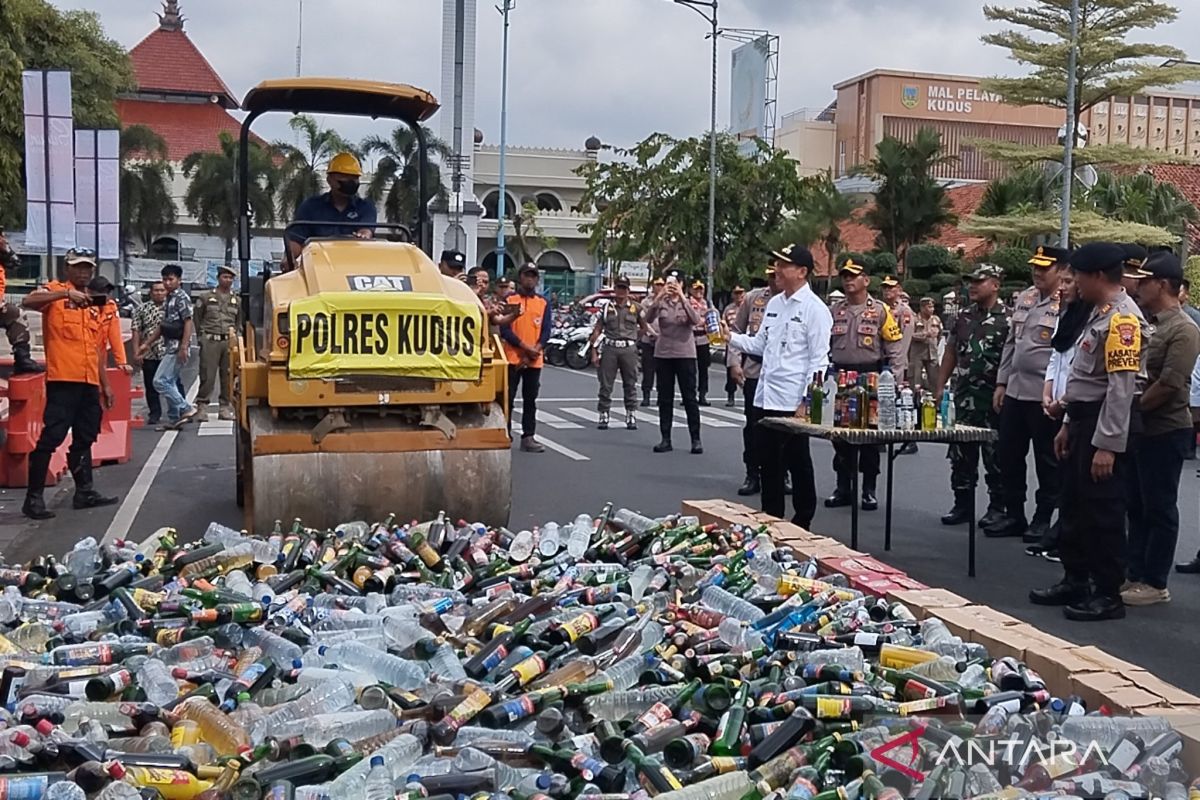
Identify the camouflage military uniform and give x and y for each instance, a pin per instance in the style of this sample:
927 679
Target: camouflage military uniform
977 337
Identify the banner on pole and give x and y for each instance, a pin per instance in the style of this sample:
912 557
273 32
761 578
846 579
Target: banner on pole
97 191
49 160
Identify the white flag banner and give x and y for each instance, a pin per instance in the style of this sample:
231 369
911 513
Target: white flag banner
97 191
49 159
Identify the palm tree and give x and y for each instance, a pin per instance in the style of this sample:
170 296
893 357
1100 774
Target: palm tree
910 204
301 174
1030 189
827 209
212 193
395 178
1139 198
147 208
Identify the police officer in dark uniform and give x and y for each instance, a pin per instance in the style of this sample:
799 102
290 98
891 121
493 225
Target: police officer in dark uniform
1017 398
1093 439
865 338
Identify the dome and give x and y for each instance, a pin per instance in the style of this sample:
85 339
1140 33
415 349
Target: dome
478 136
593 143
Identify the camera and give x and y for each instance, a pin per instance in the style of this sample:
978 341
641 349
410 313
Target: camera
9 259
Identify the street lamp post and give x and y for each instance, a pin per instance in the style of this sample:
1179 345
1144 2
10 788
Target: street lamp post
708 10
1071 128
504 8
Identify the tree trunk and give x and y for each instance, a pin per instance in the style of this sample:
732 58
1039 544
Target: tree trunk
229 251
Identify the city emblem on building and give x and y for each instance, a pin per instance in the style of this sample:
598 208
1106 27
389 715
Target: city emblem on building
910 96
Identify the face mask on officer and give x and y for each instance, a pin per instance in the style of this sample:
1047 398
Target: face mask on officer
348 186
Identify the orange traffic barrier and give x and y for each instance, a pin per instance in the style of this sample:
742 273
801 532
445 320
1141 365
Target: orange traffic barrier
115 443
20 427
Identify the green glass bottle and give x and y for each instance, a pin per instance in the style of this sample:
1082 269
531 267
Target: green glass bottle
728 739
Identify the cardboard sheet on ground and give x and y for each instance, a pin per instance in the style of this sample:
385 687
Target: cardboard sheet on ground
394 334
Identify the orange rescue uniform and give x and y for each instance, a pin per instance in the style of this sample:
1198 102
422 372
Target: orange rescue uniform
527 327
74 337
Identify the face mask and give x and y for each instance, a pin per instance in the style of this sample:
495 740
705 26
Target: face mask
348 187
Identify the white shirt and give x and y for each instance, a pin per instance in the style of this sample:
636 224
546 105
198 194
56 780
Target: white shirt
793 342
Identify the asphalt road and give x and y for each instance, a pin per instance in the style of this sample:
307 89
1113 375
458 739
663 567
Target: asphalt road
185 480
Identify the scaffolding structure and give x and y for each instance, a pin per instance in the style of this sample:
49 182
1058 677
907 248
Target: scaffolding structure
771 92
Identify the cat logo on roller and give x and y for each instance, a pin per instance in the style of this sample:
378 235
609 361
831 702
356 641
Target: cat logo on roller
1123 346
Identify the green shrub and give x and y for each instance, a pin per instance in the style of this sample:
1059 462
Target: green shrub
1191 271
881 263
944 281
916 288
925 260
1015 263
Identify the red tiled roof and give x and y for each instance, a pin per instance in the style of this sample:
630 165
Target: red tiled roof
168 62
859 237
1185 178
186 127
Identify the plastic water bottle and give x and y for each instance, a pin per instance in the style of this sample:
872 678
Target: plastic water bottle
522 547
829 401
946 411
1107 731
236 581
350 725
581 535
886 392
280 650
639 580
730 786
84 559
625 673
65 790
632 522
550 542
850 658
445 663
907 411
378 785
730 605
398 755
389 669
119 790
738 635
154 677
322 698
265 551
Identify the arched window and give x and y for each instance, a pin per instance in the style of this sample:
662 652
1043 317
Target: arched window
455 239
553 260
491 203
489 263
165 248
548 201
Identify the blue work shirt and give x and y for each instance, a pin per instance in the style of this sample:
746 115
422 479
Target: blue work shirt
320 209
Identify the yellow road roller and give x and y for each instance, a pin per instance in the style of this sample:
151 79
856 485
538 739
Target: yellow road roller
365 382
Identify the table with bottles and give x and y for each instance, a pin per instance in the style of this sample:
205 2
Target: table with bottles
872 409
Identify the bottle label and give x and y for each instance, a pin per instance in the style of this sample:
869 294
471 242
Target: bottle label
80 655
1123 755
657 714
154 776
864 639
475 702
518 708
587 766
31 788
529 669
833 707
578 626
493 661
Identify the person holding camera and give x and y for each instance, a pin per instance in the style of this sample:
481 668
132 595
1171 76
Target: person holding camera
675 359
175 331
76 334
10 317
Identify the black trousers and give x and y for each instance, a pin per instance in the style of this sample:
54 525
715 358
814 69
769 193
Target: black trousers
753 415
703 359
646 350
73 407
1023 422
529 379
1155 464
779 454
153 399
682 370
1092 541
868 464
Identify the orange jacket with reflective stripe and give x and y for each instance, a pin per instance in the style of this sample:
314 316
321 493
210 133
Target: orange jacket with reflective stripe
530 327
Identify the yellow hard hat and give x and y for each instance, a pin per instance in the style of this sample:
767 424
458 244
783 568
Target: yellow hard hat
345 164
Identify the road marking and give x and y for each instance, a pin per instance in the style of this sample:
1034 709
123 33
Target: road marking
733 415
582 413
122 521
221 427
710 422
558 448
553 420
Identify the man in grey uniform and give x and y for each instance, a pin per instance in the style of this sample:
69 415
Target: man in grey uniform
619 324
1018 401
1093 439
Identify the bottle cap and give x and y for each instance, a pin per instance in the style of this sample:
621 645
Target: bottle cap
19 738
376 761
297 663
44 726
117 770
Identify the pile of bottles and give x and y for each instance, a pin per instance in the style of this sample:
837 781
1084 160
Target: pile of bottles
874 400
618 657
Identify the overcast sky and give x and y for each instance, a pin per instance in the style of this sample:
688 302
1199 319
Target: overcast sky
617 69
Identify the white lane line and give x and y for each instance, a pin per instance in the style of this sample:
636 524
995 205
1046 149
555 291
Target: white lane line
553 420
122 521
710 422
720 412
582 413
652 418
221 427
558 448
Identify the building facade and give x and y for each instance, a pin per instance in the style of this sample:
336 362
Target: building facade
545 177
808 137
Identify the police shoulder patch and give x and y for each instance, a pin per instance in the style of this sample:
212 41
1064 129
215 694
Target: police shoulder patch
1123 345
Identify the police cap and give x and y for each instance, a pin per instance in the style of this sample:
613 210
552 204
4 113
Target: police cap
454 259
889 280
1098 257
1163 264
227 268
1135 257
796 254
1049 256
621 283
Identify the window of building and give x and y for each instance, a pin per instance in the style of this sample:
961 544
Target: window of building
489 263
546 201
491 203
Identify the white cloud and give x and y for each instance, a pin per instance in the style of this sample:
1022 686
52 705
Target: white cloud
618 69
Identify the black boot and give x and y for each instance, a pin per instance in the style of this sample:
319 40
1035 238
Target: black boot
664 446
993 515
23 363
751 486
960 513
85 495
35 507
730 402
1189 567
1096 609
1011 524
841 496
869 503
1063 593
1039 526
697 449
645 399
603 423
